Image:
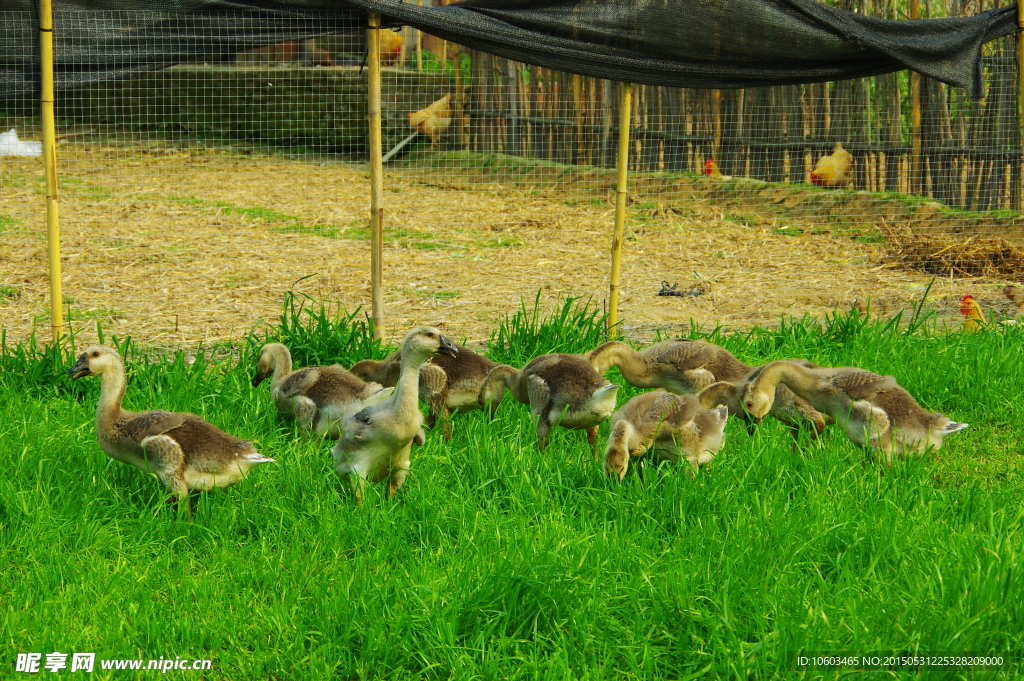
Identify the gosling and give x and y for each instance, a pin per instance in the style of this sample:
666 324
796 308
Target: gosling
447 384
873 410
561 389
184 452
685 366
317 397
672 427
376 441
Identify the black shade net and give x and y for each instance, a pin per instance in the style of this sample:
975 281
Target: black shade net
678 43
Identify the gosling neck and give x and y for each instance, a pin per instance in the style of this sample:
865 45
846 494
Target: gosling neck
718 394
631 363
623 437
282 366
112 386
408 387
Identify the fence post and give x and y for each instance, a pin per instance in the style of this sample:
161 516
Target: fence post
46 100
917 183
373 95
1020 100
622 164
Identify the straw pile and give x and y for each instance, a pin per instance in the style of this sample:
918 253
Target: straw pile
179 246
959 255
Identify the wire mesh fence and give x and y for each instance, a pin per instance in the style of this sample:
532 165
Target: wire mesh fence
192 198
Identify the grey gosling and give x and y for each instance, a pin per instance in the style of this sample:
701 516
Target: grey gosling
672 427
447 384
376 441
683 366
873 410
561 389
183 451
317 397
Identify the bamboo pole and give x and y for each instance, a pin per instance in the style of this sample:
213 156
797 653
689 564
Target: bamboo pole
373 94
46 100
622 164
419 44
915 117
1020 71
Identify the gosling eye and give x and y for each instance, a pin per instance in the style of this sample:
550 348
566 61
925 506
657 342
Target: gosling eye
95 353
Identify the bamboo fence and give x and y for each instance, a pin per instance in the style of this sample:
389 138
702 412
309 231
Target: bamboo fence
962 152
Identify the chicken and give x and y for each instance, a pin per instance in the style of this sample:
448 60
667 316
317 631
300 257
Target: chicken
432 120
711 170
311 55
974 318
834 170
391 48
1016 295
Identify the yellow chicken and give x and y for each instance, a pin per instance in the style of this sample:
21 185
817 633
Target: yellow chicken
974 317
432 120
834 170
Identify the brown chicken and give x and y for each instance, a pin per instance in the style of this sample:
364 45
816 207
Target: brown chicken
1016 295
432 120
834 170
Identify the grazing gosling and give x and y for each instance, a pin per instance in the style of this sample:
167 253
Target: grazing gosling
317 397
376 441
183 451
673 426
561 389
447 384
684 366
873 410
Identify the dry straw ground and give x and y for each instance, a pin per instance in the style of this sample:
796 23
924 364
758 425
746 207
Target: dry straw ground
182 246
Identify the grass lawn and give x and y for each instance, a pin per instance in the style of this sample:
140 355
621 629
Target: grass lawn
500 562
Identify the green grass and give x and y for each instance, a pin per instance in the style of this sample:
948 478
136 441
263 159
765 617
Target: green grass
499 562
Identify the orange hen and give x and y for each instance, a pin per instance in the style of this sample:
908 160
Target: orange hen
391 48
711 170
973 315
432 120
834 170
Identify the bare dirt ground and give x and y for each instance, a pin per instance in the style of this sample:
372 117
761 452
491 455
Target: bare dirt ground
180 247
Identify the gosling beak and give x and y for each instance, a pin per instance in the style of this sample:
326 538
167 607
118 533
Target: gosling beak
81 368
257 379
757 421
447 348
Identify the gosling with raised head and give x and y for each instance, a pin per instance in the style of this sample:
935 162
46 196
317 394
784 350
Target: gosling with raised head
183 451
317 397
376 441
447 384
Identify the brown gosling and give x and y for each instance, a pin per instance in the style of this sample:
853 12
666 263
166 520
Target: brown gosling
183 451
561 389
873 410
317 397
672 427
447 384
376 441
684 366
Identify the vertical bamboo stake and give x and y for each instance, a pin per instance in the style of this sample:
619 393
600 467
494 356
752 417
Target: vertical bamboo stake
46 100
622 163
915 116
1020 88
419 44
376 172
716 108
